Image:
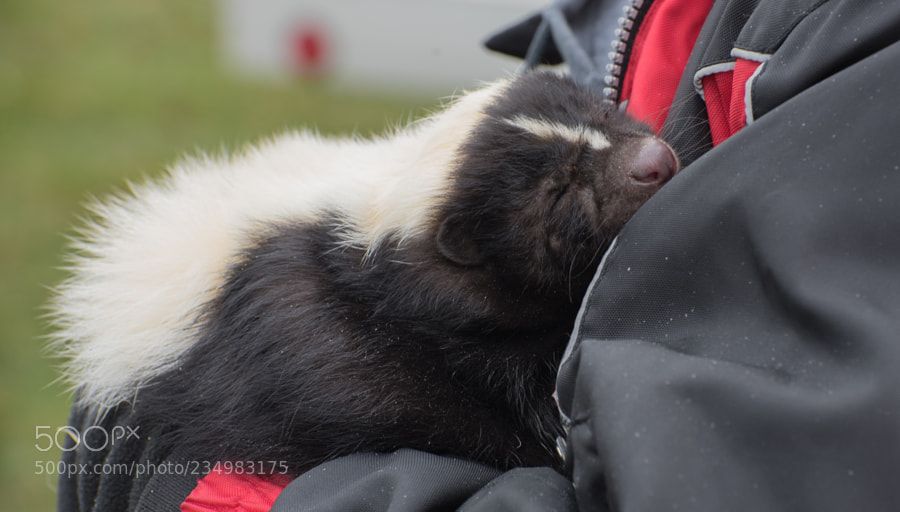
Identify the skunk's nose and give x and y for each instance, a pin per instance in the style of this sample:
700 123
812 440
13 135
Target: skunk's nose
655 163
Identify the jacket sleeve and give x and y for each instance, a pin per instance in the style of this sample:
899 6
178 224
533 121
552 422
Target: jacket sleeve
740 349
414 481
118 465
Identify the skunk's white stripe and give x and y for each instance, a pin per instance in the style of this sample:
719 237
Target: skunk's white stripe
155 255
552 129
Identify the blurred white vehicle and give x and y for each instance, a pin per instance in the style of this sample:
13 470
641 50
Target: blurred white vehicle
412 45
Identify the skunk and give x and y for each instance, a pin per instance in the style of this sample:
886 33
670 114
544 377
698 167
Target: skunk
314 297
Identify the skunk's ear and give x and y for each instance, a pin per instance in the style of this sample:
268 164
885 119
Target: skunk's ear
455 242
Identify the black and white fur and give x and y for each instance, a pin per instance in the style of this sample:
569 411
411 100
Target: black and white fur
312 297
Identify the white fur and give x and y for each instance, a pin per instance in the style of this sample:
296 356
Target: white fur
156 254
551 129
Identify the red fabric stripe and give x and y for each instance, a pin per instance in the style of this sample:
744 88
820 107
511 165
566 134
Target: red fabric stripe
724 94
659 54
743 70
717 94
221 491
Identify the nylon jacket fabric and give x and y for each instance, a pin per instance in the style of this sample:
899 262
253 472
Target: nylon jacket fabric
412 481
740 350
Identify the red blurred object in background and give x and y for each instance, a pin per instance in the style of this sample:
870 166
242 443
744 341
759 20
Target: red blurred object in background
310 50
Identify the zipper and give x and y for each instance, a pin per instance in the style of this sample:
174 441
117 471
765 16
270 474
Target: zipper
633 13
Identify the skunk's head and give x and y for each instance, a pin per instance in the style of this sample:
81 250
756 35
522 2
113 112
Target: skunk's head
546 180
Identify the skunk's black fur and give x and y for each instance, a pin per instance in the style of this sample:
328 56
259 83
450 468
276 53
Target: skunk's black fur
447 342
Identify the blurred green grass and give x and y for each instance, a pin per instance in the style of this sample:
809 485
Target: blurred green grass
93 93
